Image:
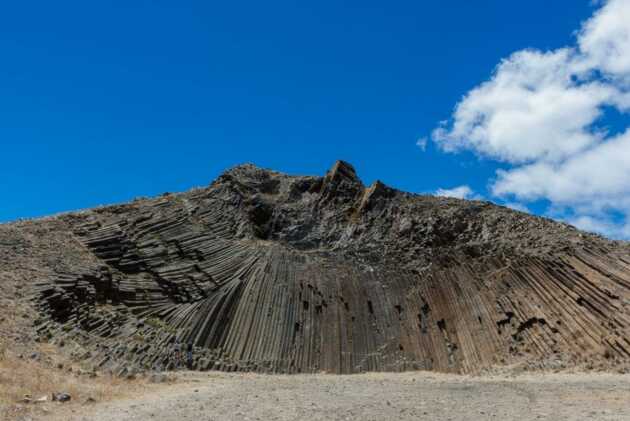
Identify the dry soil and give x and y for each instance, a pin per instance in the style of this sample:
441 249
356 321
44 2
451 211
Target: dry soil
377 396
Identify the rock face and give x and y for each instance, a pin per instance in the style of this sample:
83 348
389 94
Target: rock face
267 272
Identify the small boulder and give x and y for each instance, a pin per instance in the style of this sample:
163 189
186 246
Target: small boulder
61 397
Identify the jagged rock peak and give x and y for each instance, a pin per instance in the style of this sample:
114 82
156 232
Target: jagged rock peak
341 184
246 173
343 171
376 193
250 170
340 177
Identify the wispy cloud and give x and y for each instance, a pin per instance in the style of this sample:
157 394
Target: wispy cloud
460 192
422 143
517 206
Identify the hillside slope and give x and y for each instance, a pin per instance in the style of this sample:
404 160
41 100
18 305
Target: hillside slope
268 272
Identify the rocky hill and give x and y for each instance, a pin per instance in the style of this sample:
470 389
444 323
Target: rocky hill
267 272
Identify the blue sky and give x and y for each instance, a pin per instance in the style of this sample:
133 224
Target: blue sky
103 103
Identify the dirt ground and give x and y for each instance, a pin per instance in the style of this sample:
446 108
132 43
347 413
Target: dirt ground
377 396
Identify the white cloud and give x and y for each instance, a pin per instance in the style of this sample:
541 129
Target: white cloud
591 224
597 177
460 192
532 108
422 143
604 40
541 113
517 206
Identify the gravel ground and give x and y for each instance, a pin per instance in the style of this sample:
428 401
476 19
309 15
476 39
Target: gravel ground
377 396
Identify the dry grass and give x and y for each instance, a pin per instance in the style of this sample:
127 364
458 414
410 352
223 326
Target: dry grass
40 377
24 259
21 377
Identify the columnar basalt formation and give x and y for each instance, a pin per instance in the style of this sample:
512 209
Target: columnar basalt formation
267 272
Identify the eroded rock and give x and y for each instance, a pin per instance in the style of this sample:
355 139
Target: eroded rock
267 272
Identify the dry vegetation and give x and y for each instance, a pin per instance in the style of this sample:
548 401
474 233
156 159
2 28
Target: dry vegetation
21 376
26 366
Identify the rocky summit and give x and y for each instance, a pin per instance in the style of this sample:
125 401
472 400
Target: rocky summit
267 272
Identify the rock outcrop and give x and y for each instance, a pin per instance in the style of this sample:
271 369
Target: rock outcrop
267 272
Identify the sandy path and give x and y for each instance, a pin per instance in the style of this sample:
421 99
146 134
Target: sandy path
407 396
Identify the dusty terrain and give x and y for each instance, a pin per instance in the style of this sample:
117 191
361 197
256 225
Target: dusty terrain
374 396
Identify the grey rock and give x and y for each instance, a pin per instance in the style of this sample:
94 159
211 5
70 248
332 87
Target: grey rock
262 271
